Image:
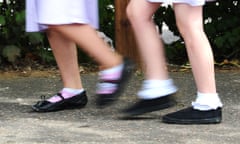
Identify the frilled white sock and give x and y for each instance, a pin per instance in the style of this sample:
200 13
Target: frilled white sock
207 101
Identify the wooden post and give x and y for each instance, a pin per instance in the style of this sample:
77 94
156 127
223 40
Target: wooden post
124 37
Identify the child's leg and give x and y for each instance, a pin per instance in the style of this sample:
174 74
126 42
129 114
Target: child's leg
158 87
65 53
140 14
157 81
207 107
88 40
73 94
190 23
116 71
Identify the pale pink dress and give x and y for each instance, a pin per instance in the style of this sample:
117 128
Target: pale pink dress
40 13
190 2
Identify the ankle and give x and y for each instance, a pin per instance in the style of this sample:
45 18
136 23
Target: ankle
72 90
111 64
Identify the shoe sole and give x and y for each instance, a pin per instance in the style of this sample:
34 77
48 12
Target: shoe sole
215 120
58 108
64 105
147 110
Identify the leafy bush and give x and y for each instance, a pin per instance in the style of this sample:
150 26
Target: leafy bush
223 28
12 35
106 14
221 18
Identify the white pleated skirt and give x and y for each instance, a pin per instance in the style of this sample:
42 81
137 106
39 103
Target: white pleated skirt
190 2
40 13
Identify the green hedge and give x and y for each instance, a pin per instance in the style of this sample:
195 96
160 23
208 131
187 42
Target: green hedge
223 30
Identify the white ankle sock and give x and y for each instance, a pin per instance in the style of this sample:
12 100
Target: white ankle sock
156 88
207 101
111 73
73 91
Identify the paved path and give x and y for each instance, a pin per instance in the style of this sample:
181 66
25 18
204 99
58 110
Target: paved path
19 125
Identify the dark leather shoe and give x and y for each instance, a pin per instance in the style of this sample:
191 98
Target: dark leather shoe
77 101
145 106
193 116
106 99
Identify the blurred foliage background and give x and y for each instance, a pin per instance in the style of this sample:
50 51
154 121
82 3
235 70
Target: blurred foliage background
222 25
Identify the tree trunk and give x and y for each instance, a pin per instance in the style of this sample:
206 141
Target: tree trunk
124 37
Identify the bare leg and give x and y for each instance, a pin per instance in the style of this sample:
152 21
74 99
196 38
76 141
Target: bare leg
207 107
157 87
190 24
115 71
65 54
140 14
87 38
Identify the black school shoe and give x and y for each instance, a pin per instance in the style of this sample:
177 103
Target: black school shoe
193 116
107 99
78 101
145 106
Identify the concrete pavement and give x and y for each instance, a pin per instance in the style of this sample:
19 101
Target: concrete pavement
19 125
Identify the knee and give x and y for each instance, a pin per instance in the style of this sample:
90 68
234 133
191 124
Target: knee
189 30
132 15
135 14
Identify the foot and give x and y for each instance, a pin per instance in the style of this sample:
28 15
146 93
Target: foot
77 101
193 116
107 97
145 106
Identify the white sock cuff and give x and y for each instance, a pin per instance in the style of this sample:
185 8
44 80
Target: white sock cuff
152 89
73 91
157 83
207 101
112 70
